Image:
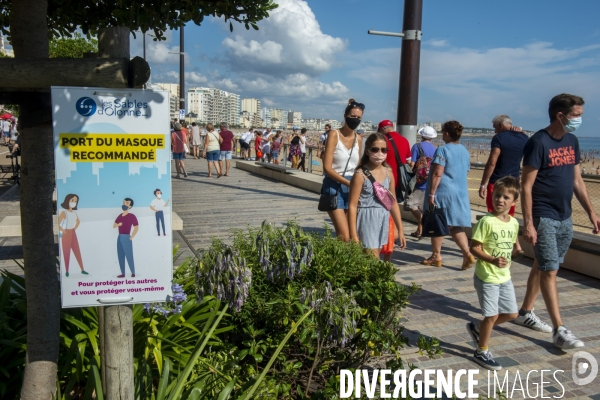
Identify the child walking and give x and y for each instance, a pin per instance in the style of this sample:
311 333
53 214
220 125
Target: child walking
368 218
494 244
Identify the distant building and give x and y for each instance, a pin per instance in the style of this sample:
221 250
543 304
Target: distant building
278 118
173 89
214 105
252 107
294 118
265 115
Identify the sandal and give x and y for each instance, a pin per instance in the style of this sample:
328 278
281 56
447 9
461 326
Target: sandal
468 263
414 234
431 261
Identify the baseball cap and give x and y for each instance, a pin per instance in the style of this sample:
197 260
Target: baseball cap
428 132
385 122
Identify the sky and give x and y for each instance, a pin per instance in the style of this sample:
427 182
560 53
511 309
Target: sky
478 59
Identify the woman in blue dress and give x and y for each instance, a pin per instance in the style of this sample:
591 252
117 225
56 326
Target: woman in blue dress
448 189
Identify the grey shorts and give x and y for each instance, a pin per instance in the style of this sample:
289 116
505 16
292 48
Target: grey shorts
496 298
415 200
553 240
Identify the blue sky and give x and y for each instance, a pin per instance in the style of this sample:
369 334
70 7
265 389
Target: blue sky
478 58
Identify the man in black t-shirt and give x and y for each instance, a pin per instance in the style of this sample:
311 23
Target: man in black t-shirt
551 175
505 160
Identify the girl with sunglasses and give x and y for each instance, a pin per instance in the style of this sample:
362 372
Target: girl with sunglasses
368 219
342 151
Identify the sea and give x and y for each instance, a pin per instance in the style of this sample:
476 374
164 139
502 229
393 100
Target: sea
586 144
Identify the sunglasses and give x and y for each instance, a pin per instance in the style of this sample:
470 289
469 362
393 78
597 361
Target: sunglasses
376 150
359 105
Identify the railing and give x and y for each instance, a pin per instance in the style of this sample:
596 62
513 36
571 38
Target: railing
580 218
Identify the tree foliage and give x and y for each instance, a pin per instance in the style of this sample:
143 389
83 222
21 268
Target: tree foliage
65 16
72 47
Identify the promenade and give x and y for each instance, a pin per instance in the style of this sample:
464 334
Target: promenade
210 207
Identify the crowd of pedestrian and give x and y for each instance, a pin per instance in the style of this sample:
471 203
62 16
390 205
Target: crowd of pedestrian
361 197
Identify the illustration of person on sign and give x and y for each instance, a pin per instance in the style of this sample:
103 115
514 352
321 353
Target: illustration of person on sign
125 221
158 205
68 222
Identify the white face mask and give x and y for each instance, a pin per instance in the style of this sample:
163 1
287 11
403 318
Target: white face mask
158 195
377 158
72 204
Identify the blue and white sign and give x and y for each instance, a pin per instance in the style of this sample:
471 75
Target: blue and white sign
112 151
181 114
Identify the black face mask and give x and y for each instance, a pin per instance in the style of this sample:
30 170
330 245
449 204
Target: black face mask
352 123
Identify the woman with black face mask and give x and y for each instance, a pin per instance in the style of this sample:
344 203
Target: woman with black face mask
341 155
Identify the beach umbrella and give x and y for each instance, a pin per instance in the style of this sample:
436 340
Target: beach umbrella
6 116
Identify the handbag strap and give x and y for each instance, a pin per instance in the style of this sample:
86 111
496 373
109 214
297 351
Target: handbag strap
349 157
399 161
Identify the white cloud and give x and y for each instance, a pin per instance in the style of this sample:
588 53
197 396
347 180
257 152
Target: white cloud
301 86
474 84
290 41
437 42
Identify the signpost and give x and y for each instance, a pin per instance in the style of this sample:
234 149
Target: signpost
112 151
181 114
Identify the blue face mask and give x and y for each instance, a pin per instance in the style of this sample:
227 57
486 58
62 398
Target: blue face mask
572 125
124 207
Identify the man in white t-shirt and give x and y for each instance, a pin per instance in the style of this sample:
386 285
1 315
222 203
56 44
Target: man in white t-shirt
158 205
245 143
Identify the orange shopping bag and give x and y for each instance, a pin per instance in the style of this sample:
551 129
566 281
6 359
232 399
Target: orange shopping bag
388 248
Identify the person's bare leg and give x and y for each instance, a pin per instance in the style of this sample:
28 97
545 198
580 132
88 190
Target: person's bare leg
550 293
417 214
485 331
436 248
533 287
340 224
387 257
220 165
209 169
177 167
460 238
183 168
228 164
216 164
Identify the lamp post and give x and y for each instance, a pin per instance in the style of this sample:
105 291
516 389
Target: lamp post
410 59
181 71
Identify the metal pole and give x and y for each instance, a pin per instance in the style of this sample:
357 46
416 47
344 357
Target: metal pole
408 94
144 44
181 72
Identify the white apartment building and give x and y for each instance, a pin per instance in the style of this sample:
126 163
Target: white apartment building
265 115
214 105
278 118
173 89
294 118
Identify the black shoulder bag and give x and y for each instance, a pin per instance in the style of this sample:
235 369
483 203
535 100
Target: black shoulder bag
329 202
403 188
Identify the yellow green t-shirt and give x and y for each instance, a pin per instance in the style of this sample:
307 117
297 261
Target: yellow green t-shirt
497 238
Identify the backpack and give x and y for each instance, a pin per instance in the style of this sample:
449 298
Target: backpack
422 166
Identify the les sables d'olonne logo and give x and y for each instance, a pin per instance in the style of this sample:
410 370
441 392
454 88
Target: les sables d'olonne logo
86 106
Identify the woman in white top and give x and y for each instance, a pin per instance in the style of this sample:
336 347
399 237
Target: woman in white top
68 222
212 149
341 155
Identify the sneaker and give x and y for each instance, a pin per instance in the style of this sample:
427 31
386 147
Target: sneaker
564 339
67 274
486 360
84 272
474 332
532 321
121 276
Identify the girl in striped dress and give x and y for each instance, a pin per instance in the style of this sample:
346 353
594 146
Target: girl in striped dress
368 219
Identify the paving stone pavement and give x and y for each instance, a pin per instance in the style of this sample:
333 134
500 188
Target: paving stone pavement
211 207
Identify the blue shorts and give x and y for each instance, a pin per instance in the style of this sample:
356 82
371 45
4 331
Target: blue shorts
496 298
179 156
6 133
330 187
213 155
225 155
275 153
553 240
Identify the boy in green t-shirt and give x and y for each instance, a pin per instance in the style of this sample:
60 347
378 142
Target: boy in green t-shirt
493 243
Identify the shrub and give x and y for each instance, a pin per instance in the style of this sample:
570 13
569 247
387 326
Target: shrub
355 299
